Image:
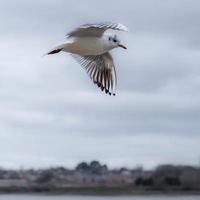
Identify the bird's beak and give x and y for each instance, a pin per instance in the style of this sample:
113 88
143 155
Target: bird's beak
122 46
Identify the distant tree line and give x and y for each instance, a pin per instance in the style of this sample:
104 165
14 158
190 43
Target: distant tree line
94 174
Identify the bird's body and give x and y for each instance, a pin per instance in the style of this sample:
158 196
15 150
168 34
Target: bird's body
90 47
86 46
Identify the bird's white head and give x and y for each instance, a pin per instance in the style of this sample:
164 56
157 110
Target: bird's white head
114 42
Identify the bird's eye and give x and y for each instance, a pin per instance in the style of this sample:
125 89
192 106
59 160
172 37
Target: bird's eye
114 40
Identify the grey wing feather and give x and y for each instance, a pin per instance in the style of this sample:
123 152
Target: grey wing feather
101 70
95 30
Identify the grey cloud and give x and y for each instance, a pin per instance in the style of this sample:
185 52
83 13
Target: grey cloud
48 99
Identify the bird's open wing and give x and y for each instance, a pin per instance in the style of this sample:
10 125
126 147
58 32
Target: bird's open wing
95 30
101 70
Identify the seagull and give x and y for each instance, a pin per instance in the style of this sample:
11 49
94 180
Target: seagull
90 47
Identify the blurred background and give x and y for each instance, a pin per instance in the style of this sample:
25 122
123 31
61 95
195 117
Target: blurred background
50 112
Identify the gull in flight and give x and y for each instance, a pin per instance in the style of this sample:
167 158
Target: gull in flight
90 47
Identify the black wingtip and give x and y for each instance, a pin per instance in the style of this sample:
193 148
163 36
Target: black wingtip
54 51
104 89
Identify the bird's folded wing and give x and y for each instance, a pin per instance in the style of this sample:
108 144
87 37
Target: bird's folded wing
101 70
95 30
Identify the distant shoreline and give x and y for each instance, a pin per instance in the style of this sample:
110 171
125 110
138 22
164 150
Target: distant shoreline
97 179
96 192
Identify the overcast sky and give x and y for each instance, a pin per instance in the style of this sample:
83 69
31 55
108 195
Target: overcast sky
50 112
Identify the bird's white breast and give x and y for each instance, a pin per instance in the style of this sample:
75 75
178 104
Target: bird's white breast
87 46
